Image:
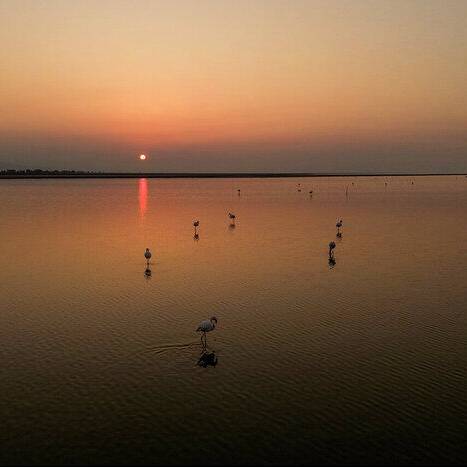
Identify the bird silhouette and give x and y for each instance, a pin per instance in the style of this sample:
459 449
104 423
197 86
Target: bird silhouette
332 245
147 255
232 218
339 225
205 326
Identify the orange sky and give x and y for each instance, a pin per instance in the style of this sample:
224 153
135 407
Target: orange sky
233 84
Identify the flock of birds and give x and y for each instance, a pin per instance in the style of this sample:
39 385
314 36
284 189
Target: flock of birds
208 325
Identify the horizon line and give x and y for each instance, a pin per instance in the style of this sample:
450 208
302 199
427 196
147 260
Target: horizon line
41 173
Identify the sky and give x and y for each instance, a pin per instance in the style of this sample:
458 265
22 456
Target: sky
239 85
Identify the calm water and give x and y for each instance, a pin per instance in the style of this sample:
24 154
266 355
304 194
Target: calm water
361 362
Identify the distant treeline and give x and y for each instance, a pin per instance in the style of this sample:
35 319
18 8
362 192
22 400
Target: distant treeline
43 172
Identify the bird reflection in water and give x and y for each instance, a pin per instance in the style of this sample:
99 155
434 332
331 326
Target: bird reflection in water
207 358
196 236
148 272
332 261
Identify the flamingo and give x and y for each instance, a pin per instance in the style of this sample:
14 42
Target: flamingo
332 245
195 225
207 325
232 217
339 225
147 255
238 191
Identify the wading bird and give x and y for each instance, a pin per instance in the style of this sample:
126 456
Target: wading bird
339 225
232 217
196 225
205 326
332 245
147 255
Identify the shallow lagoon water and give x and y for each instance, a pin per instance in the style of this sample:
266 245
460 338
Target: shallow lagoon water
357 363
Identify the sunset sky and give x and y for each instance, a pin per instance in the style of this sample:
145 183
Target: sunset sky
254 85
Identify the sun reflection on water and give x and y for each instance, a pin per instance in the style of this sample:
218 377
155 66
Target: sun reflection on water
143 196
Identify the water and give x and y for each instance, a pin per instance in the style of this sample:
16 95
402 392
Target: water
361 362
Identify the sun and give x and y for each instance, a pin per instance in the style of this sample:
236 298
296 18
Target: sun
142 157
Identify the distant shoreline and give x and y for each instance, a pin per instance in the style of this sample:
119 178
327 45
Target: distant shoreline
217 175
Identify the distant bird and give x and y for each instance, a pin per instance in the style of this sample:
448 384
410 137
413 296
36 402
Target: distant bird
147 255
238 191
207 325
147 272
195 223
232 217
339 225
332 245
311 192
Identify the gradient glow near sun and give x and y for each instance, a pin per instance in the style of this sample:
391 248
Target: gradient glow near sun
142 157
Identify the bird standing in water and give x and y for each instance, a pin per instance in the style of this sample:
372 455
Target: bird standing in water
147 255
205 326
339 225
332 245
232 218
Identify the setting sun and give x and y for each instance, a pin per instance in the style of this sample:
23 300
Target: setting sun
142 157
